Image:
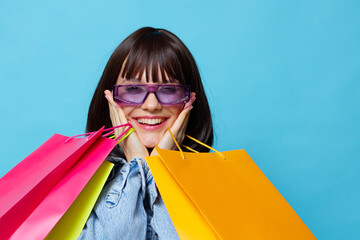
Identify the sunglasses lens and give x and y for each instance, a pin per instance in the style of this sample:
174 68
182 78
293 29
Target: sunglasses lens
131 94
172 94
135 94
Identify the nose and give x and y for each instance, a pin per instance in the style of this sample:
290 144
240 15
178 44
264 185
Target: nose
151 103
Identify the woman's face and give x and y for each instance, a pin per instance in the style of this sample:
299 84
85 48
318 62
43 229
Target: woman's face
151 119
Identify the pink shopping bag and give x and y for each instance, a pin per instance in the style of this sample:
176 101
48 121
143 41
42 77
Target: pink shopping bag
39 190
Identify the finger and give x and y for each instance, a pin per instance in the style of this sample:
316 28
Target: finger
114 107
114 119
184 115
182 129
111 110
191 101
114 116
178 129
121 114
117 107
109 97
181 120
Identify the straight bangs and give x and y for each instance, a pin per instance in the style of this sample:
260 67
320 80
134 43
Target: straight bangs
158 56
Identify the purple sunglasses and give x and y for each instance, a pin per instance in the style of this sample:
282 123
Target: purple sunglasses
166 94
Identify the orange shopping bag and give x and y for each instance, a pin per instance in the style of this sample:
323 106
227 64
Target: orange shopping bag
222 195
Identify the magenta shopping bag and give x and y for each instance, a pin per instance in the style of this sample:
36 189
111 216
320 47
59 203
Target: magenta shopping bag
39 190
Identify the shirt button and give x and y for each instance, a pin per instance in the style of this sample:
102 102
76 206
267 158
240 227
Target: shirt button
139 175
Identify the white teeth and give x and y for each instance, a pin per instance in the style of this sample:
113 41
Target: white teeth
148 121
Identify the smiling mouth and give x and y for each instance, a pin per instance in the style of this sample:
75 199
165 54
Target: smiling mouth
150 122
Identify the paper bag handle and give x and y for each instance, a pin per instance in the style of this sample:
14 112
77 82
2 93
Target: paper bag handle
127 131
189 148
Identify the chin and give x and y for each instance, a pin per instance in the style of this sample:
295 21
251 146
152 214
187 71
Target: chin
150 145
150 142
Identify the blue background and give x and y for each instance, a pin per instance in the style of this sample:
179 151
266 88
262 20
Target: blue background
282 79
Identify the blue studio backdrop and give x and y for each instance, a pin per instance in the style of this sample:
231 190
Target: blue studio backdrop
282 79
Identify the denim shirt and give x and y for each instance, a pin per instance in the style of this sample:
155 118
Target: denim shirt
129 206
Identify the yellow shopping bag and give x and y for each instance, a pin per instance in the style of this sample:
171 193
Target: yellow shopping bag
222 195
71 224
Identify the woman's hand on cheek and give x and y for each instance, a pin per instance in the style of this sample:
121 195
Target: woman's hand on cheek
131 145
178 128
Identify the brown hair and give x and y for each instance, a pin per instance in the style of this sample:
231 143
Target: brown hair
149 49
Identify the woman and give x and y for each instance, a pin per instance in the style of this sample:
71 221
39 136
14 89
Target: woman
151 81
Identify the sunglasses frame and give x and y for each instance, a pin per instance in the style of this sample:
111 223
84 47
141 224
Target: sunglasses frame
151 88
